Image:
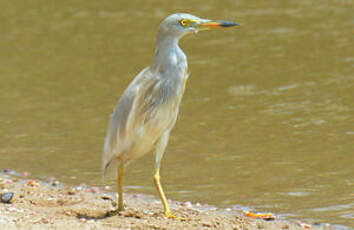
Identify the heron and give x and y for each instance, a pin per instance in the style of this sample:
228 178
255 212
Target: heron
147 110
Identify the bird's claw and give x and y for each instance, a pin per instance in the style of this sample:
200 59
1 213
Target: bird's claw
169 215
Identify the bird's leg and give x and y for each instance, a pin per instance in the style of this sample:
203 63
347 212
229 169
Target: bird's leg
160 149
159 189
121 170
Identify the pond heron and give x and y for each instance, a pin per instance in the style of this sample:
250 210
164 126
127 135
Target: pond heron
147 110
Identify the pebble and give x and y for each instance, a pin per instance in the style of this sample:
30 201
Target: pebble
285 226
95 190
12 209
147 212
6 197
55 183
44 220
137 195
83 220
68 213
80 187
32 183
71 192
207 224
303 225
187 204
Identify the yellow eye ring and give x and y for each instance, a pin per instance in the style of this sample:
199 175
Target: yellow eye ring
184 22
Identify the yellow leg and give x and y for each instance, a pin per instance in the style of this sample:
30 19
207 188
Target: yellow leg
121 171
160 149
168 212
120 208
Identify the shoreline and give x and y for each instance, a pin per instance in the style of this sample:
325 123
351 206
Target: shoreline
41 204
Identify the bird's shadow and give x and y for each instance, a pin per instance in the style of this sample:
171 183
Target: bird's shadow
99 216
108 214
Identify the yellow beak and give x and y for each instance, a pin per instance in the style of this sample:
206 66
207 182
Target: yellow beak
213 24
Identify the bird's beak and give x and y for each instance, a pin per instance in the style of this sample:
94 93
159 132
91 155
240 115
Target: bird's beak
213 24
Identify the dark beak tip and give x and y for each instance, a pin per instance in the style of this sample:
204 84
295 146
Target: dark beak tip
229 24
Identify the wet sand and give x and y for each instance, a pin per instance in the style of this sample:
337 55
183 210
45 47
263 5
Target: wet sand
53 205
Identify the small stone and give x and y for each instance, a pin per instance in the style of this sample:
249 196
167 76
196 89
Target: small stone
12 209
67 213
137 195
307 226
285 226
6 197
260 225
83 220
206 224
71 193
44 221
105 198
187 204
55 183
32 183
95 190
303 225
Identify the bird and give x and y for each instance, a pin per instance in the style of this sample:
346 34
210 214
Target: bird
148 108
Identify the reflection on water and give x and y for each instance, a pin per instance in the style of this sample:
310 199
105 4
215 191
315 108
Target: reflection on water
266 121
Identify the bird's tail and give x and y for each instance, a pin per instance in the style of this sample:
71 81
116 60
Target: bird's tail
109 168
109 161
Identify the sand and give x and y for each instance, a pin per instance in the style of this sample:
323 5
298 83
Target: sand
54 205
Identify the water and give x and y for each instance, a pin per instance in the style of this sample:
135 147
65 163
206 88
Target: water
267 120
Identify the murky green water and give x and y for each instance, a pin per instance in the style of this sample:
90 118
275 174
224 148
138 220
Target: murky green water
267 120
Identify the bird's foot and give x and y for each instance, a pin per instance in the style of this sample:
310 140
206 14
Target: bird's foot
169 215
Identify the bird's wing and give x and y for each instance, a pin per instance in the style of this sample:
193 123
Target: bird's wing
133 109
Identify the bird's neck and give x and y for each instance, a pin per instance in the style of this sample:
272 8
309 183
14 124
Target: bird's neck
168 55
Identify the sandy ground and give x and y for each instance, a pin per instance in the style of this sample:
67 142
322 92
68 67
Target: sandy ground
53 205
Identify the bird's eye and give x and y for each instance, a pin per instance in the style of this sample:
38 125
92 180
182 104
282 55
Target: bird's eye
184 22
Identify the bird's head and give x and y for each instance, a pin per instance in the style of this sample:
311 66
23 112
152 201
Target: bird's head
180 24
